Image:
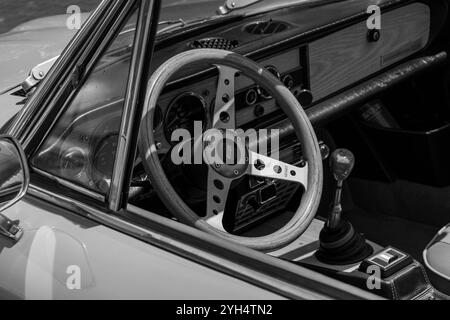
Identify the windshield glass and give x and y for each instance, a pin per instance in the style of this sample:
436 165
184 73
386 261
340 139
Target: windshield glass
177 13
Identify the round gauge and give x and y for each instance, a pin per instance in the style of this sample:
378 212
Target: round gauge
183 112
105 154
251 96
263 92
288 81
73 162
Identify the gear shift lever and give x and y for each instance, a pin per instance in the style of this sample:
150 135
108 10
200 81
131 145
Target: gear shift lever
340 243
342 162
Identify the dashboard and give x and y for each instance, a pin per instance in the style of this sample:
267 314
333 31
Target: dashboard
312 71
314 58
180 107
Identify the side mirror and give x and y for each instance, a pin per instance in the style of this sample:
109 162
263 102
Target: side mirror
14 180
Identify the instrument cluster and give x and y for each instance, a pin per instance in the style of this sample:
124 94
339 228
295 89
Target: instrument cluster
194 99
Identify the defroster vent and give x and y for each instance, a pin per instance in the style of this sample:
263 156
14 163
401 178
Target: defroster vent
214 43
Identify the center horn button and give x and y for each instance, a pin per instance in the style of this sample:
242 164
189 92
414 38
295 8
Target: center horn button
229 156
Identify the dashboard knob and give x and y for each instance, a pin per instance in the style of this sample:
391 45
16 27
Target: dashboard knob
288 81
259 110
373 35
305 97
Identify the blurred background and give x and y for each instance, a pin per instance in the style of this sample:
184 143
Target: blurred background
15 12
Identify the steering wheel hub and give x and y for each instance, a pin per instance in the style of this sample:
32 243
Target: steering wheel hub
227 154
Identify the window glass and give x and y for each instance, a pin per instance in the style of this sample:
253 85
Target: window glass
81 147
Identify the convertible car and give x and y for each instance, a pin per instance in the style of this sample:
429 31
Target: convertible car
246 149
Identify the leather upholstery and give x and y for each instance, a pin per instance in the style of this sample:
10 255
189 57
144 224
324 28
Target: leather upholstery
437 260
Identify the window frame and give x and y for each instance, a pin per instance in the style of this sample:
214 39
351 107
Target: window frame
140 72
56 91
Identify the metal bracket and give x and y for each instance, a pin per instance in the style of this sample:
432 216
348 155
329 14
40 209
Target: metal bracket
37 74
231 5
10 228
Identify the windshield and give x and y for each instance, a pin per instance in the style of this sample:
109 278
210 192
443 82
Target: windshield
178 13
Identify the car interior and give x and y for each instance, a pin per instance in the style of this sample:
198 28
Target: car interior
377 101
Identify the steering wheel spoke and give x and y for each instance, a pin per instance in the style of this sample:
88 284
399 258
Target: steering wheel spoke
217 195
224 115
266 167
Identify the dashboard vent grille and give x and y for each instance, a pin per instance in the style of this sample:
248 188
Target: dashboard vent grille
266 27
214 43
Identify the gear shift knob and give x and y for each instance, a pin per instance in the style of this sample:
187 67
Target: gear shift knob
340 243
342 162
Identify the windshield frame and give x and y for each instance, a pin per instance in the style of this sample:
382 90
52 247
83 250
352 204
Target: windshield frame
256 8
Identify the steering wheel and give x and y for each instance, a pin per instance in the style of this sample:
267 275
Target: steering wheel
221 175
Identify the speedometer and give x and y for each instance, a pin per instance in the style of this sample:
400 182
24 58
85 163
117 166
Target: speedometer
183 112
73 162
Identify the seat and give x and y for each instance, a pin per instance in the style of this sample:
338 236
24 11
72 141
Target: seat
437 260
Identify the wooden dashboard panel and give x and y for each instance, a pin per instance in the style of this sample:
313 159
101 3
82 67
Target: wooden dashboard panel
345 57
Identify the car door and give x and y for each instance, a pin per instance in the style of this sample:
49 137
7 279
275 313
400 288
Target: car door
71 247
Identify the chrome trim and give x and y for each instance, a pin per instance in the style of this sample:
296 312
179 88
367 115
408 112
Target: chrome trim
247 100
71 185
138 73
231 5
287 279
37 74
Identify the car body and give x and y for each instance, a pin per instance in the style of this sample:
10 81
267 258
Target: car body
121 248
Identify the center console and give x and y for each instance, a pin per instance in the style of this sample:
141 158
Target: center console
342 253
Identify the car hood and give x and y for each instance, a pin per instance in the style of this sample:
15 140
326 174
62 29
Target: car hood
29 44
36 41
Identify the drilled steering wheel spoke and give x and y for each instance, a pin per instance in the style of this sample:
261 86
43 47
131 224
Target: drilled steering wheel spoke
224 115
217 195
266 167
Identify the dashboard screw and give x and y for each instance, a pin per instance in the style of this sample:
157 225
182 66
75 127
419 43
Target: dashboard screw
302 164
224 117
236 172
